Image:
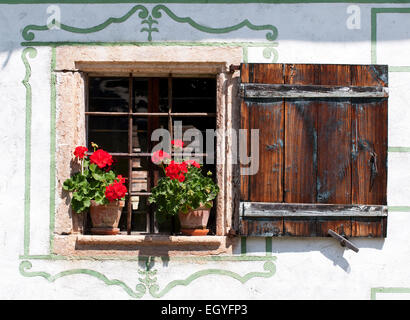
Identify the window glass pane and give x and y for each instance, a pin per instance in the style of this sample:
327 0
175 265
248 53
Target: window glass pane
139 134
120 166
108 94
139 179
193 95
163 95
110 133
139 213
140 95
139 207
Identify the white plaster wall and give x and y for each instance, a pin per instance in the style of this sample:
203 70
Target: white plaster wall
305 268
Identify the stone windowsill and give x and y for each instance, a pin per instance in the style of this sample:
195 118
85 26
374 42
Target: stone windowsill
77 245
150 240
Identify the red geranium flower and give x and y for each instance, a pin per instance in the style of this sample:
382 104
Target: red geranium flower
121 179
80 151
159 156
193 163
176 170
101 158
177 143
115 191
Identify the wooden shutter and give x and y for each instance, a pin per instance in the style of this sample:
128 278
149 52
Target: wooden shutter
322 143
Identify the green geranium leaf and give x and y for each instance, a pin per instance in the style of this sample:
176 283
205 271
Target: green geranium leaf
69 185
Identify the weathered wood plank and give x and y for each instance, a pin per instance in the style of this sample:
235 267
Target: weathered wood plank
244 70
266 73
299 227
268 118
333 184
245 125
300 137
264 91
341 226
300 151
267 183
334 139
369 75
369 126
369 151
367 227
268 209
263 228
334 75
302 74
364 221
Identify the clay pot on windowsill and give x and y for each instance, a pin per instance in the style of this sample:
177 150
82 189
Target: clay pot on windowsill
105 218
193 223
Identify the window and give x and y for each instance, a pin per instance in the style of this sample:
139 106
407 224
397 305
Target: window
122 114
149 64
322 149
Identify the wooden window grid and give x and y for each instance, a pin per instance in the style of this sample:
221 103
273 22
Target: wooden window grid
152 115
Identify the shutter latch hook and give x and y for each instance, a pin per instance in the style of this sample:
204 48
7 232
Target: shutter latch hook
343 240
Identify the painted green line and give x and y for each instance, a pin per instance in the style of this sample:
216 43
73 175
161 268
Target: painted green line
52 146
32 53
270 36
197 1
373 22
373 37
143 44
399 208
245 54
268 266
374 291
271 53
26 265
399 69
398 149
29 35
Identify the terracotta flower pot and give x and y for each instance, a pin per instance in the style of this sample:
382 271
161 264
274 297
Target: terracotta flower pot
193 223
105 218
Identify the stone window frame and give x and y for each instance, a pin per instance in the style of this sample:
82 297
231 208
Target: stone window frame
73 64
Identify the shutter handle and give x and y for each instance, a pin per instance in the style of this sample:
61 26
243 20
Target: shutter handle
373 169
343 241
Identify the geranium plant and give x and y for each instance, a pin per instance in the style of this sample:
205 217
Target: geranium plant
96 180
183 188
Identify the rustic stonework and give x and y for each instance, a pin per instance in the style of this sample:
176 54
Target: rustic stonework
155 245
70 133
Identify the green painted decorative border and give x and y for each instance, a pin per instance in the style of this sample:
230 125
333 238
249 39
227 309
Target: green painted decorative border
374 13
271 35
148 281
31 53
374 291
